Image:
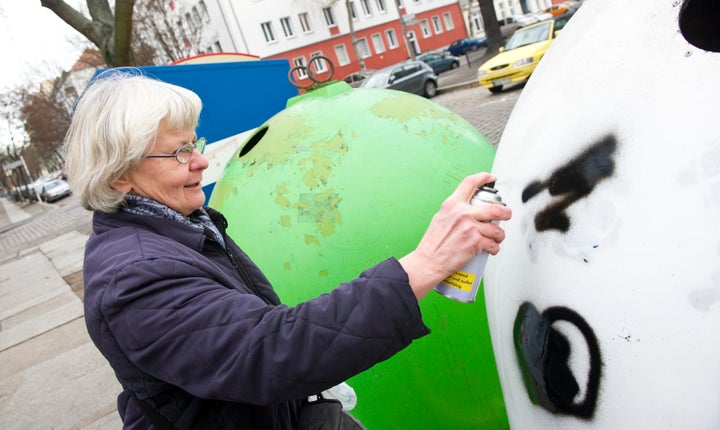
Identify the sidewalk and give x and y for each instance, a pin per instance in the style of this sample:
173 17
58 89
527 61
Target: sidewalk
13 212
464 76
51 376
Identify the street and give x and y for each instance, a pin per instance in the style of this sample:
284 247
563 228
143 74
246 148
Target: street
486 111
52 375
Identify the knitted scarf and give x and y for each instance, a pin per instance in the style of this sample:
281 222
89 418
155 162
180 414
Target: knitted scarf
198 220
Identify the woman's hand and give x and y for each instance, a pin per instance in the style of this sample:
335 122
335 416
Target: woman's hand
456 233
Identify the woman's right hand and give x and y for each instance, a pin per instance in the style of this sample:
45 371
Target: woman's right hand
457 232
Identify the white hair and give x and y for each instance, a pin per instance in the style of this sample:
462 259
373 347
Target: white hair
115 122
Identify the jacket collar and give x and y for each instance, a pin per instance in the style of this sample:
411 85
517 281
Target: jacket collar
187 235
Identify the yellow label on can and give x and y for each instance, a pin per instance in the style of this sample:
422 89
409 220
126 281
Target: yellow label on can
461 280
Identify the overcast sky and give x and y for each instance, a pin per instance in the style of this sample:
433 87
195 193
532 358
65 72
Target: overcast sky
35 43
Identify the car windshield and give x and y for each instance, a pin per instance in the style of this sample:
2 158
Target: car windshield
378 79
529 36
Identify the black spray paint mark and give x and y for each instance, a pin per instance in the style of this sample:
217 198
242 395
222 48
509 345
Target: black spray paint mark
573 181
699 23
543 353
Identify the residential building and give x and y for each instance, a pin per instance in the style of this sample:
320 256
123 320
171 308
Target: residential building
352 34
300 30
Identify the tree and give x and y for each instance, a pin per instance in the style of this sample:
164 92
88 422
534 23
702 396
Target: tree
353 38
492 27
159 36
136 33
109 30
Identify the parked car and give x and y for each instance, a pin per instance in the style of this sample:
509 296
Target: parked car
411 76
461 46
556 9
55 190
34 190
355 79
520 55
439 62
509 25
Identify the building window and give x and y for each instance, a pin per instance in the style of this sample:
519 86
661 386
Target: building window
353 12
437 25
71 92
300 62
181 29
319 66
204 11
378 43
380 4
268 32
477 23
367 11
287 26
189 21
449 25
304 22
196 17
329 17
425 27
342 55
363 48
391 39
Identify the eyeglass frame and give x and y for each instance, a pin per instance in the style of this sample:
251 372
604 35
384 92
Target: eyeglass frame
199 144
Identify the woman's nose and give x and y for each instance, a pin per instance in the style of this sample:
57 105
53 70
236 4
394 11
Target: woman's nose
198 161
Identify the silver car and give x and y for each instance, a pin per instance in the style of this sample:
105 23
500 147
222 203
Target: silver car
411 76
55 190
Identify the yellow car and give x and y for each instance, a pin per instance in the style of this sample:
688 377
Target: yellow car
520 55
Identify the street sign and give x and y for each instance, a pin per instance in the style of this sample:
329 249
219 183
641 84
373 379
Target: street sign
14 164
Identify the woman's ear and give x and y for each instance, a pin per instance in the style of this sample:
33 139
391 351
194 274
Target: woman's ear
122 184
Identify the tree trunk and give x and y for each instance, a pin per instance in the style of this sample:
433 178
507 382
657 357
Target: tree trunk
492 27
353 38
113 42
123 32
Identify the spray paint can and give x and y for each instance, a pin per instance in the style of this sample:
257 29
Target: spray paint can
463 285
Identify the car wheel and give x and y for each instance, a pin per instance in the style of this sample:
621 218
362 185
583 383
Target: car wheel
496 90
454 64
430 89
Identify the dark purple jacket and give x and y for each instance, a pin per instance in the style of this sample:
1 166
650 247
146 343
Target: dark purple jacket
175 316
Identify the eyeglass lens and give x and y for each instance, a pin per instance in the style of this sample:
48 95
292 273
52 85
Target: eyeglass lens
184 153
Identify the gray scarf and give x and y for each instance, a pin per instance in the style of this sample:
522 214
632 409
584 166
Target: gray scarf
198 220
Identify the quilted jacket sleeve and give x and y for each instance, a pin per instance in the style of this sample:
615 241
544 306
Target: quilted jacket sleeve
180 324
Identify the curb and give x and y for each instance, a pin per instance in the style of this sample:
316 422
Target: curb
459 86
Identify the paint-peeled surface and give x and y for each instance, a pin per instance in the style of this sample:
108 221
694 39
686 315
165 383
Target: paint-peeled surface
333 185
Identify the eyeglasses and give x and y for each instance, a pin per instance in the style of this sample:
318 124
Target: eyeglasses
184 153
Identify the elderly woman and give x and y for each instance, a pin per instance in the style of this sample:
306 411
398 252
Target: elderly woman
192 328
